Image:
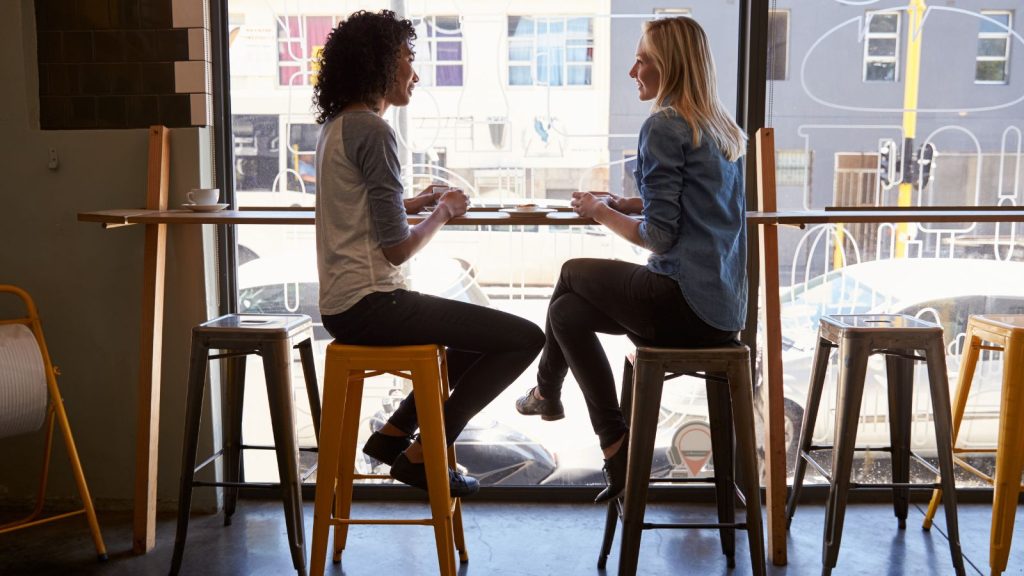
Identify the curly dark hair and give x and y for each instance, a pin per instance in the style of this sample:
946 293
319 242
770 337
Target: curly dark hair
359 61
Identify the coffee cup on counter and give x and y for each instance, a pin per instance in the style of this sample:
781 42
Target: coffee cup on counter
203 196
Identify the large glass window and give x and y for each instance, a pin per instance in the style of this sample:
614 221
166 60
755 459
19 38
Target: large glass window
964 150
993 47
299 41
550 51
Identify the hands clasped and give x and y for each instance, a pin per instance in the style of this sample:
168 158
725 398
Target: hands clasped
452 201
586 204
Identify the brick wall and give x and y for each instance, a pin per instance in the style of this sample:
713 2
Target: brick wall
123 63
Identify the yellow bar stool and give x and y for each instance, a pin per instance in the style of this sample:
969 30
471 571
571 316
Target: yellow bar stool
346 369
1002 333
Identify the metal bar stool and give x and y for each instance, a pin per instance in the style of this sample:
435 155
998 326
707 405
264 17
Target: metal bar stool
237 336
996 333
726 371
346 369
898 337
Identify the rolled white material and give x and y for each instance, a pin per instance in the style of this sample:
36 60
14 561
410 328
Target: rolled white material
22 381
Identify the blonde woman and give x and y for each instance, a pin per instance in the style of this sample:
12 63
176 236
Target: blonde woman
693 290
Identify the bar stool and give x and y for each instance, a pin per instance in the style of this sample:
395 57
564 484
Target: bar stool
346 369
1002 333
237 336
898 337
730 401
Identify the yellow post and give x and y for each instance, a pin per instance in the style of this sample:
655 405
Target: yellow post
915 13
838 254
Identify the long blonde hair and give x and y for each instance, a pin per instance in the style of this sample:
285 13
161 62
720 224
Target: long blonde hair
680 51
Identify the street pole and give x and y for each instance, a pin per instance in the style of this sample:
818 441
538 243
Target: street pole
915 12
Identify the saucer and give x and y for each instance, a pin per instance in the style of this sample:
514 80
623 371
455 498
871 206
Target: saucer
204 207
526 211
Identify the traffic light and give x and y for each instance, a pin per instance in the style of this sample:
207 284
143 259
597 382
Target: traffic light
887 162
925 164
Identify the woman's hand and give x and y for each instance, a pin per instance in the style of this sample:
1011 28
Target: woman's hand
425 199
453 203
586 204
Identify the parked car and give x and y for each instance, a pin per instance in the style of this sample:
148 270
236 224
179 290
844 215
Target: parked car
941 290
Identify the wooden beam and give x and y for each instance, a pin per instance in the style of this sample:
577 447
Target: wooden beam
150 346
771 369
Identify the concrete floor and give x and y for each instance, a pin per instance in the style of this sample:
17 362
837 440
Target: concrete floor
504 539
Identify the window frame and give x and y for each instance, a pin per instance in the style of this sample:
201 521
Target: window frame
869 35
1005 59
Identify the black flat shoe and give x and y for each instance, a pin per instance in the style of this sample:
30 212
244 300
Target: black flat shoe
547 409
384 448
615 472
415 475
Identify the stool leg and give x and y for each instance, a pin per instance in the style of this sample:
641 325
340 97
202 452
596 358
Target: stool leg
193 414
346 459
648 380
429 409
900 374
937 380
968 363
277 367
853 361
814 390
720 420
309 375
742 392
460 537
1009 458
335 376
611 518
233 432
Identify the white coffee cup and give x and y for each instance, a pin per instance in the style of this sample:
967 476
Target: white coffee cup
203 196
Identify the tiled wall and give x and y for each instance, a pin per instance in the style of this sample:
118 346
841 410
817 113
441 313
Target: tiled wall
123 63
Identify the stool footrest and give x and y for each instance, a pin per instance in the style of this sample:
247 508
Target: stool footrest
806 455
694 525
233 354
379 521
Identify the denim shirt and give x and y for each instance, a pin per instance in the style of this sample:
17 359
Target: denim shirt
694 218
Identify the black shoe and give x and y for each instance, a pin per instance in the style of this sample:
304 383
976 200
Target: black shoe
615 472
415 475
384 448
547 408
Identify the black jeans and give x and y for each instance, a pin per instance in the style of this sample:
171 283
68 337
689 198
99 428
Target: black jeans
612 297
487 349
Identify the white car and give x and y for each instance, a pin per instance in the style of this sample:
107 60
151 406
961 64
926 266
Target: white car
941 290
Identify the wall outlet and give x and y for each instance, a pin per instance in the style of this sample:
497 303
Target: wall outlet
53 162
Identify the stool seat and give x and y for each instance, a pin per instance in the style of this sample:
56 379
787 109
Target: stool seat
346 369
236 336
1002 333
726 371
902 339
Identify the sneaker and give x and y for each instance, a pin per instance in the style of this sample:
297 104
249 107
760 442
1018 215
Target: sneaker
415 475
384 448
547 408
615 472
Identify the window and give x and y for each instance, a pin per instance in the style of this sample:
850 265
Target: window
550 51
778 44
882 47
299 42
672 12
791 167
439 46
993 48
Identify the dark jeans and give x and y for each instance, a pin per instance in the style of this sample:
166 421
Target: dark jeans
612 297
487 349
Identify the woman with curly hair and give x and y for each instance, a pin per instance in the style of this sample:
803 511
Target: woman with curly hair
363 237
693 290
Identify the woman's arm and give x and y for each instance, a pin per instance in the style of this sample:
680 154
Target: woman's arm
599 208
453 203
